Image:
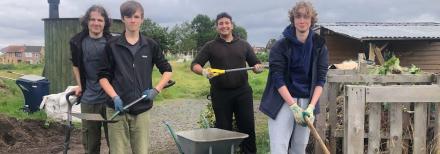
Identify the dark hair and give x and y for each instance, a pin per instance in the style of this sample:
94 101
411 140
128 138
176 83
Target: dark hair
222 15
128 8
85 19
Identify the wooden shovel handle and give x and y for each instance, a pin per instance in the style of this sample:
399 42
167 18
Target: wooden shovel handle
316 135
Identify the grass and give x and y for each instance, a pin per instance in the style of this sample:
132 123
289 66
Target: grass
12 102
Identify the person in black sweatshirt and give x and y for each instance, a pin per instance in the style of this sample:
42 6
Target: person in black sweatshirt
230 92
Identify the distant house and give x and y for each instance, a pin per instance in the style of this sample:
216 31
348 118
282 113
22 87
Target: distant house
259 49
14 54
415 43
1 57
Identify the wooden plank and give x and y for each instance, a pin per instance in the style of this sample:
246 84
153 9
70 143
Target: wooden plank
341 72
379 56
371 55
374 118
437 129
437 121
354 119
364 78
403 93
395 142
322 118
362 65
333 90
420 128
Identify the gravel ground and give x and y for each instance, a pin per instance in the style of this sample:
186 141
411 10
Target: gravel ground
181 114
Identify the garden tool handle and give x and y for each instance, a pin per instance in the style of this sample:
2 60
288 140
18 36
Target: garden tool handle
316 135
71 93
169 84
243 69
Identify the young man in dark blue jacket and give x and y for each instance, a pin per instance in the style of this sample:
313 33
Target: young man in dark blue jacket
298 68
127 76
87 49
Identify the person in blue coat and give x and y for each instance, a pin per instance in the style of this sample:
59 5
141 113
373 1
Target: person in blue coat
298 65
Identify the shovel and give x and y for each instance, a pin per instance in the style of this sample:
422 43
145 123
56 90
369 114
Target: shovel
99 117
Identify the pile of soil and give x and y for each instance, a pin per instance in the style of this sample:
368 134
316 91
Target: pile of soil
32 136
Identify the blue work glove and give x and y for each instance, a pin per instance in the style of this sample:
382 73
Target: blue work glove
118 104
298 114
308 113
150 93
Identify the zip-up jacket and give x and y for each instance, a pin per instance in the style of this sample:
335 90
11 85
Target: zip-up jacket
279 61
131 74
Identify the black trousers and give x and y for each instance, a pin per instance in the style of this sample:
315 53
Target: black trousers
237 102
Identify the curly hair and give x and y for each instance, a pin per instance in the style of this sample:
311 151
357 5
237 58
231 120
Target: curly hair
310 10
85 19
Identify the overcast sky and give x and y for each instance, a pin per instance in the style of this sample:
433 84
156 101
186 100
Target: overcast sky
20 20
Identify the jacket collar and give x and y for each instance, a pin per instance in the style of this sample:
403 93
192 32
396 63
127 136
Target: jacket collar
123 41
235 39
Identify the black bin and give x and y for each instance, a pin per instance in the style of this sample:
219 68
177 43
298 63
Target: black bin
34 88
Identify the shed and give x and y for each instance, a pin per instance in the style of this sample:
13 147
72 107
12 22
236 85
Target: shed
415 43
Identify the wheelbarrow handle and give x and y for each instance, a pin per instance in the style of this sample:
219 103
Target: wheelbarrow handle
171 131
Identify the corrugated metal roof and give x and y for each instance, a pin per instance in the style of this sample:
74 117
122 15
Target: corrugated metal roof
385 31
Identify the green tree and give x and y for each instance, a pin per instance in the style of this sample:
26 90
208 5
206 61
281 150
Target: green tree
270 43
204 30
158 33
240 32
183 37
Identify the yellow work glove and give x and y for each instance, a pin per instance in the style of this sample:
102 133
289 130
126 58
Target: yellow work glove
209 73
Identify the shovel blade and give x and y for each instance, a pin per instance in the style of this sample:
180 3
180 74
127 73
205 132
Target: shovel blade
92 117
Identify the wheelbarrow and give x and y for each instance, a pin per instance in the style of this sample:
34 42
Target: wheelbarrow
206 140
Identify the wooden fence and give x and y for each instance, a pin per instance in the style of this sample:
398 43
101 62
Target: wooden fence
357 99
327 121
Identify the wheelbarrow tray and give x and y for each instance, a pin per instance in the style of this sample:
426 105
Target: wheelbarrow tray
209 140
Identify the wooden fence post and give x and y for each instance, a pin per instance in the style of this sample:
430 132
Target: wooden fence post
437 121
321 118
333 90
374 118
420 118
395 117
354 119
